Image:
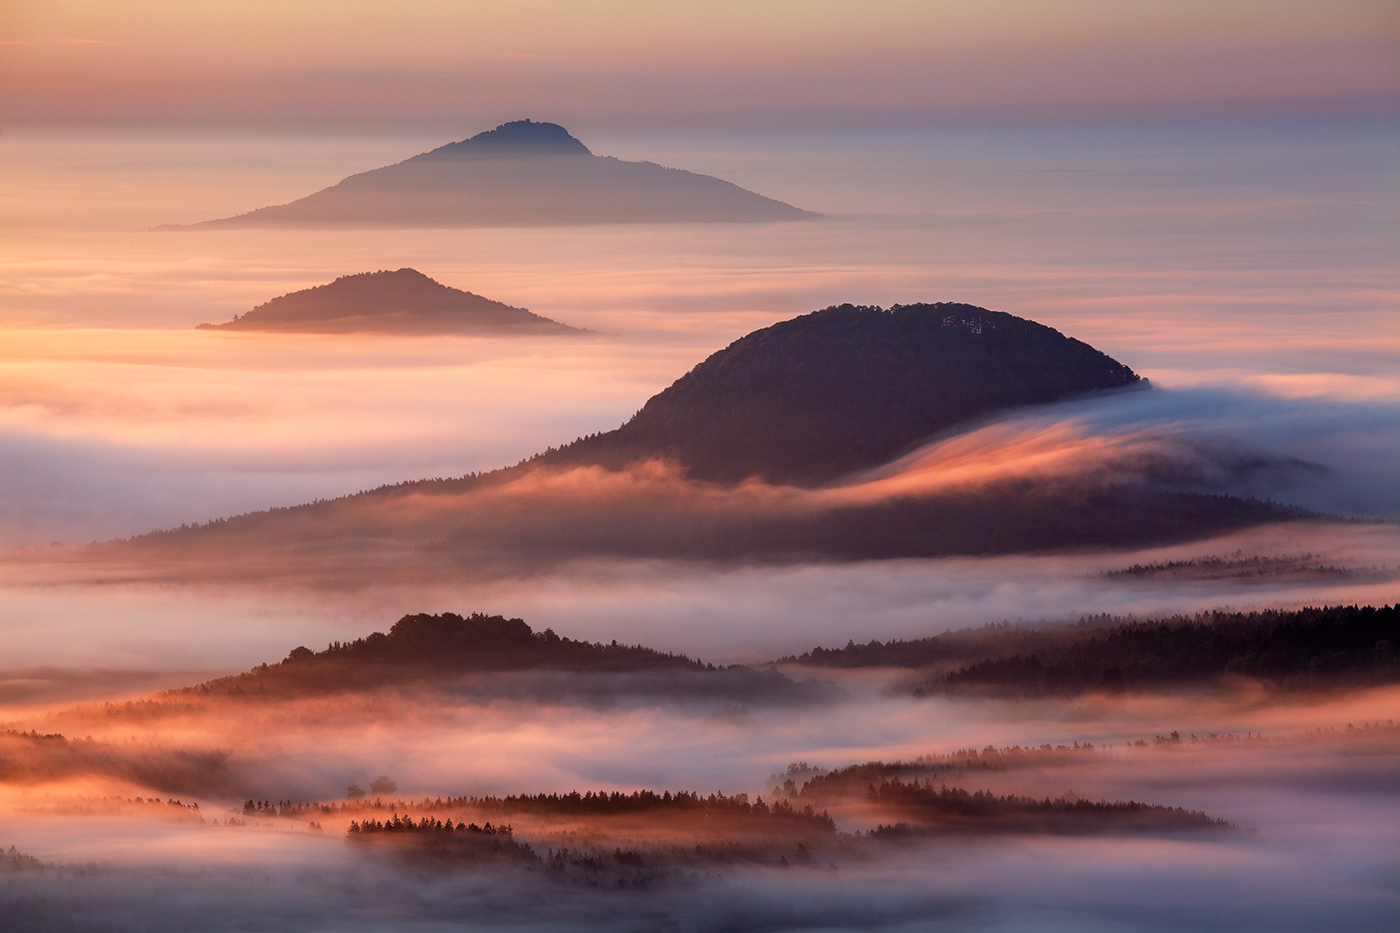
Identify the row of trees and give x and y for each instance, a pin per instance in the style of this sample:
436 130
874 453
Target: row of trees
427 824
1311 647
1318 647
604 803
817 784
574 803
952 807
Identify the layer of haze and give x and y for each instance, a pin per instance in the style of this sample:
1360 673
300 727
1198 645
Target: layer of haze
1312 801
1206 192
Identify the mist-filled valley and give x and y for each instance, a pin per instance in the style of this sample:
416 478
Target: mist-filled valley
580 798
969 523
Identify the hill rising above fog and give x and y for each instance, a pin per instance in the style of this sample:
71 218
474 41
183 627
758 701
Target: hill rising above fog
427 648
808 400
755 455
403 301
519 174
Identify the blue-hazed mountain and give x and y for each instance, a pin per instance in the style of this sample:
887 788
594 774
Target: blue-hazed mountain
404 301
519 174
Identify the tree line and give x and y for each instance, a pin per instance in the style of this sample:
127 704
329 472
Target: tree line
954 807
1304 648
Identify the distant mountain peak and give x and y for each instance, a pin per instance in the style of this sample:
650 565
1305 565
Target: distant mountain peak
520 174
518 137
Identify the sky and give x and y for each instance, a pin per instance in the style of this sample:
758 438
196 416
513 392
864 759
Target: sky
366 65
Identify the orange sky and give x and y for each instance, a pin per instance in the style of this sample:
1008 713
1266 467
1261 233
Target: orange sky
365 64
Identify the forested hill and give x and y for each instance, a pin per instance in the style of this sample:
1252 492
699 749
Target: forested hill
486 642
805 402
401 301
441 645
1305 648
810 399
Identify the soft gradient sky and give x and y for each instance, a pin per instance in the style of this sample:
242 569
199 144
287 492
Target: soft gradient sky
352 63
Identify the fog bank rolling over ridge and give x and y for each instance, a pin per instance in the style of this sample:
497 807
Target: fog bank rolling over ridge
714 468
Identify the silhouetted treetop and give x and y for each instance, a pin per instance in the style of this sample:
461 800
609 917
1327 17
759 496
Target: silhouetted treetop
514 138
847 388
487 642
439 647
953 808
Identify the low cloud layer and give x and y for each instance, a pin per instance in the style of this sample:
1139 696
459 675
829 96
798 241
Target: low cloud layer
1127 471
1310 798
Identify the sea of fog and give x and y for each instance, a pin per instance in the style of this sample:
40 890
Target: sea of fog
1307 786
1248 269
1252 260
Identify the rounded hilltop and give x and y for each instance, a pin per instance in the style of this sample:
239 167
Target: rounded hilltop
849 387
518 137
399 301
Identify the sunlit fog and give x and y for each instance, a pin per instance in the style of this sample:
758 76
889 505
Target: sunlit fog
1042 654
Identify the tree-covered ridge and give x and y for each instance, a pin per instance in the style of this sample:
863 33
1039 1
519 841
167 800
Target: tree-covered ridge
445 643
427 824
638 839
1313 647
1239 567
13 860
442 839
403 300
821 787
643 838
488 642
846 388
1305 648
614 803
922 807
600 803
